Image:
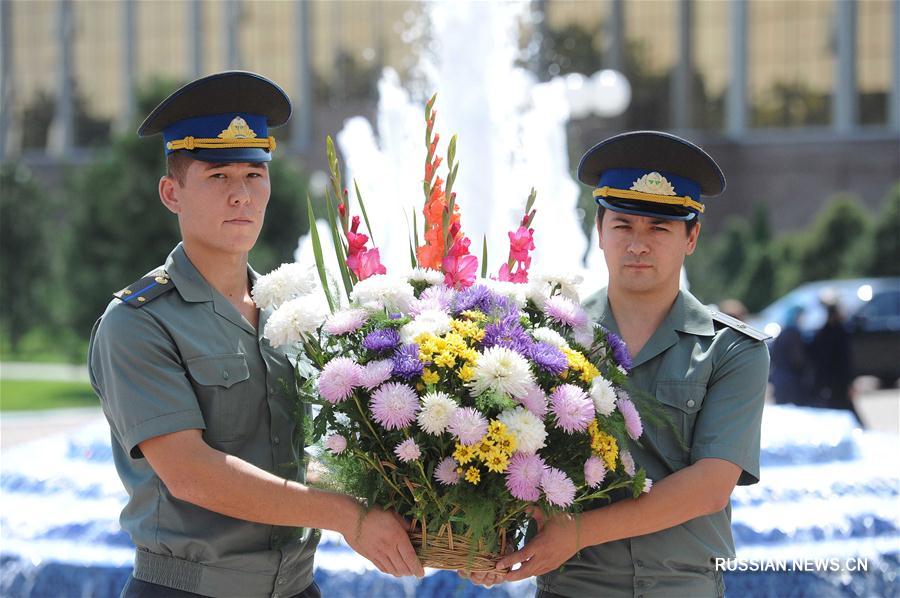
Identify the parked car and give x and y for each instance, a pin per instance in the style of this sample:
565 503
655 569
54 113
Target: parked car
871 308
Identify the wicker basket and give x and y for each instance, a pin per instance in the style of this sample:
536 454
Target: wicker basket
446 551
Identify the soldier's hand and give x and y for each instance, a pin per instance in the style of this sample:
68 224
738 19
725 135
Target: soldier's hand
381 537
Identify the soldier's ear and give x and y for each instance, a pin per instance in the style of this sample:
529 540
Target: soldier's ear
168 194
693 235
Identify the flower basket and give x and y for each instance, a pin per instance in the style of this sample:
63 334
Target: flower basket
455 553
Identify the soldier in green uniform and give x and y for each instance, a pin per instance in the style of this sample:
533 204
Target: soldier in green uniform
707 371
200 405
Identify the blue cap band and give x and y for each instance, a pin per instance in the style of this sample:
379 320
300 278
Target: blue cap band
628 178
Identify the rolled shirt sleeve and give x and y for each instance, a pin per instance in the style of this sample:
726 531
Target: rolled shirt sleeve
136 370
728 426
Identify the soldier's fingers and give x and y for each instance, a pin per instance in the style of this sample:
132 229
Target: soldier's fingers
410 558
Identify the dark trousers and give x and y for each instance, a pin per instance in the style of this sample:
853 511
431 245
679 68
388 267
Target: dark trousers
135 588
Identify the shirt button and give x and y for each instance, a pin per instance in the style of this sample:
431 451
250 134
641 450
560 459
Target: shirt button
225 374
641 583
280 582
639 563
691 403
276 440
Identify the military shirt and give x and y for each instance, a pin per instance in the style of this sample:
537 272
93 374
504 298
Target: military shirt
187 359
709 380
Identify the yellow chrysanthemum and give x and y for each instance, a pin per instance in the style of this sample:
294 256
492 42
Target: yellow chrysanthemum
470 355
496 427
474 315
589 372
463 453
445 359
473 476
606 447
506 443
430 377
466 373
483 448
497 462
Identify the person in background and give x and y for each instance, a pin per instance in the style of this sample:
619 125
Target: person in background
791 368
833 361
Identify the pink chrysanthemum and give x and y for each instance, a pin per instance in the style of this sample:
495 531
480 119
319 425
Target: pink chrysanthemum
627 462
408 450
594 471
375 373
572 407
648 484
468 425
348 320
632 419
338 379
335 443
557 487
445 472
394 405
523 476
565 311
535 400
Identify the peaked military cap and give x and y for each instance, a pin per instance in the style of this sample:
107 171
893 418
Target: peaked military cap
649 173
224 117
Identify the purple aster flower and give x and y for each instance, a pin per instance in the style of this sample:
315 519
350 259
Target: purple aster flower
557 487
335 443
408 450
548 358
382 339
594 471
445 472
375 373
508 332
632 419
406 362
338 379
535 401
523 476
394 405
619 350
436 297
565 311
572 407
468 425
475 297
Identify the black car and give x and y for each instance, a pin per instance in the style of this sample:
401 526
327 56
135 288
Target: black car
871 308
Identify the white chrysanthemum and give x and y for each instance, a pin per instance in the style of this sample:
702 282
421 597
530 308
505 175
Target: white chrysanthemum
515 291
437 408
346 320
426 275
294 319
566 283
526 427
539 294
282 284
549 336
502 370
434 321
604 396
382 291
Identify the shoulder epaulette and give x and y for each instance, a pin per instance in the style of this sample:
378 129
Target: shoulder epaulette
736 324
141 292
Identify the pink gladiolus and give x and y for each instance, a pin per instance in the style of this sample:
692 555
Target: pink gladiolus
459 272
520 243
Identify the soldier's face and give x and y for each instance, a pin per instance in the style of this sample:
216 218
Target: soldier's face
645 254
220 207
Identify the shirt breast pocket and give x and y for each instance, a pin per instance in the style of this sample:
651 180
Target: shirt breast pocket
220 384
681 401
